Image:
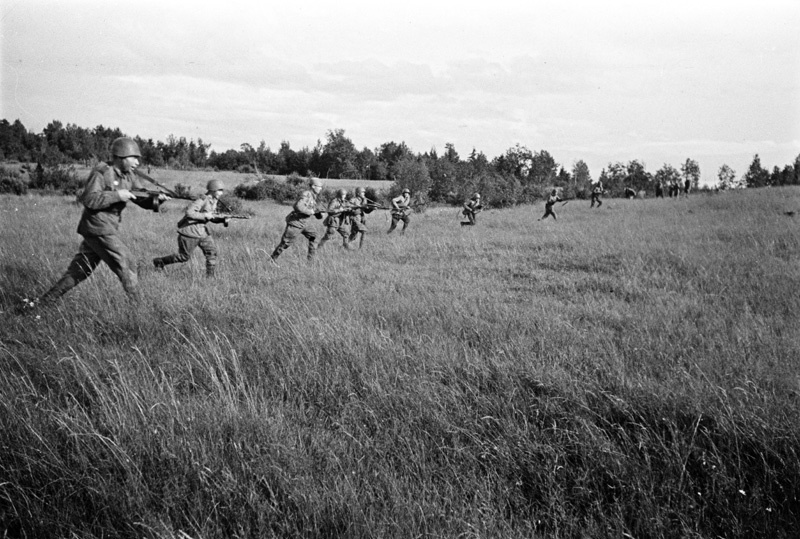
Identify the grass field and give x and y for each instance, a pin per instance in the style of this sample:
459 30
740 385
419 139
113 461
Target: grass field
628 371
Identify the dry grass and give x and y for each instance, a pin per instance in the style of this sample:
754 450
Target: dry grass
631 371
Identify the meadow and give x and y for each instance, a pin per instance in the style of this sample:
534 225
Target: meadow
628 371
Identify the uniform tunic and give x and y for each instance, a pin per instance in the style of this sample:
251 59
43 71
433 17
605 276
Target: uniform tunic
400 211
193 233
297 224
99 225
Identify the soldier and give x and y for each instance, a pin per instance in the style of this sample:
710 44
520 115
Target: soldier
630 193
471 208
660 189
297 222
358 215
548 205
107 192
338 219
193 230
401 211
596 192
687 186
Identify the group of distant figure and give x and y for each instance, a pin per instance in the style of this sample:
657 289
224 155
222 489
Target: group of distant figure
112 185
673 188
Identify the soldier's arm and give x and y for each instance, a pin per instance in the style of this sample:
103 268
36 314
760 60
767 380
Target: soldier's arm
306 204
195 211
95 197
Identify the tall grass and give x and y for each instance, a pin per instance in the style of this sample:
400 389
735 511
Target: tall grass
627 371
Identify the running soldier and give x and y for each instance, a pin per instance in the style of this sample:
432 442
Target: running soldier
107 193
471 208
548 205
297 222
401 211
338 219
360 207
193 230
596 192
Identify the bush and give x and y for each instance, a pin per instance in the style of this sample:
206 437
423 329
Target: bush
59 178
183 190
11 182
269 189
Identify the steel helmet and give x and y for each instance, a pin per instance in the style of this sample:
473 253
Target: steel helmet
214 185
125 147
406 191
361 191
476 195
342 192
315 182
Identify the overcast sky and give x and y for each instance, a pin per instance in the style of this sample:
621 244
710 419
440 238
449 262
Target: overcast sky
602 81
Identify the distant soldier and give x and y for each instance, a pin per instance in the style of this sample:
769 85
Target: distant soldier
630 193
193 230
401 211
549 203
360 207
660 189
674 189
687 185
472 208
297 222
338 219
107 192
596 192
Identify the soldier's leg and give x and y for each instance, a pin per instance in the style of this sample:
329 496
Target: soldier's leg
288 238
406 221
344 232
209 249
395 220
120 260
79 269
185 248
329 232
311 236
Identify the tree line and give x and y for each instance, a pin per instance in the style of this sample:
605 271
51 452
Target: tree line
517 176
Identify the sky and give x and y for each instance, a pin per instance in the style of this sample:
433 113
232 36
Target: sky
603 82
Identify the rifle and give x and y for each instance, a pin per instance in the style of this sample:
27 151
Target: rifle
225 217
228 215
154 194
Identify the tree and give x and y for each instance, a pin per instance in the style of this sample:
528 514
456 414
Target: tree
690 170
411 173
667 175
638 178
756 175
543 169
339 156
727 178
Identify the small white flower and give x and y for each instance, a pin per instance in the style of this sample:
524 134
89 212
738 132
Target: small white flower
741 492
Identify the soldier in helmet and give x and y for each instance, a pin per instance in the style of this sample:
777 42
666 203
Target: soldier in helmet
107 193
548 205
596 192
358 215
401 211
472 207
297 222
193 230
338 219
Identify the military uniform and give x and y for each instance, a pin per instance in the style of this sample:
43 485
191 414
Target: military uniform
297 224
193 232
99 225
401 211
596 192
358 218
338 220
548 207
471 208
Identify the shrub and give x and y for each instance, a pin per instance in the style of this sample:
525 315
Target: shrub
59 178
183 190
11 182
268 188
